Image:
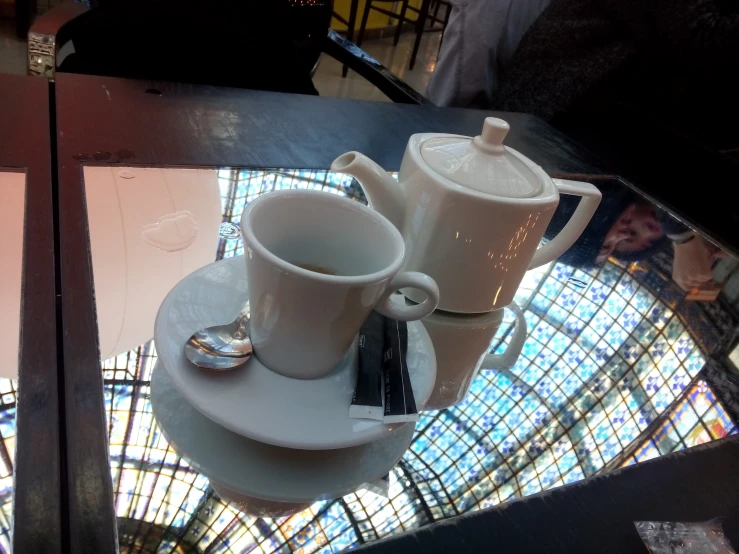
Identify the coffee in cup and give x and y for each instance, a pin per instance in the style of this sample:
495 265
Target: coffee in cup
317 268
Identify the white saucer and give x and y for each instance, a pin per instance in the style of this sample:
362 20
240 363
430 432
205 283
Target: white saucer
249 469
256 507
254 401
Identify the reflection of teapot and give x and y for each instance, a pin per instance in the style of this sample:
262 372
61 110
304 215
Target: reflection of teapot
461 344
472 213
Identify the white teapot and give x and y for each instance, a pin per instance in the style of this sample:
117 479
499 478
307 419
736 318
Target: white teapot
472 213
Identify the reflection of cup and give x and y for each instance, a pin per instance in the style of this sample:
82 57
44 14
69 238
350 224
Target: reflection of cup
303 321
461 343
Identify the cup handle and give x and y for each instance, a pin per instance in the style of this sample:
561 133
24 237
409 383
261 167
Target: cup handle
507 359
575 226
409 279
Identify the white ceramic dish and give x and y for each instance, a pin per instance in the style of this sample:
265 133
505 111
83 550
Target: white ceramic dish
256 507
262 476
320 314
472 213
256 402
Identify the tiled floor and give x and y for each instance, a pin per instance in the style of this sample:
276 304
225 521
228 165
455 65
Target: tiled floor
328 78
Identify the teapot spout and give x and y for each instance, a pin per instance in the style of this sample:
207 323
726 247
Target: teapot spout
383 192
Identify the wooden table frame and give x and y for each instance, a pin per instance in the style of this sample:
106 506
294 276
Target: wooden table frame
39 487
62 453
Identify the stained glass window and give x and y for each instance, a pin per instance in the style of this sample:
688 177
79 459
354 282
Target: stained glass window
697 418
7 450
609 375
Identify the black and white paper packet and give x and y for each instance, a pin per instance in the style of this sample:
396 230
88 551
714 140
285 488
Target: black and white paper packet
400 405
368 392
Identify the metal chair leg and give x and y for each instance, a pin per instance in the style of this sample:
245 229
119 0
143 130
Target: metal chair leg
435 16
446 22
363 25
401 20
420 26
350 29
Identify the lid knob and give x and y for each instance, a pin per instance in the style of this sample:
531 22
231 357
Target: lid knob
494 131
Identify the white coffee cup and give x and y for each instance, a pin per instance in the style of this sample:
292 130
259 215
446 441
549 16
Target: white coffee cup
461 343
303 321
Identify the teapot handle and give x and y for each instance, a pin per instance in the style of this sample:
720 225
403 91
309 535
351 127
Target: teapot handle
508 359
575 226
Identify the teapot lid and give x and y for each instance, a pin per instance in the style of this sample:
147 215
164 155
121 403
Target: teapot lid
483 163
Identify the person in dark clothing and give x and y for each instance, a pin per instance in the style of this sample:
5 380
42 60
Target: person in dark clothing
665 58
479 40
645 85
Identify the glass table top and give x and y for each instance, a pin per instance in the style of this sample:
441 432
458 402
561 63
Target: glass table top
12 208
630 335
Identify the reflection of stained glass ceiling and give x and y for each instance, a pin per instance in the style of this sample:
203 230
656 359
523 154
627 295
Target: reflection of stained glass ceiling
609 376
12 191
7 452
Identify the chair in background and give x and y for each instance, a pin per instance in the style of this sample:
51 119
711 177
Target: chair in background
422 16
206 42
444 22
350 23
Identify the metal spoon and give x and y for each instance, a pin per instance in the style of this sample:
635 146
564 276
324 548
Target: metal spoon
221 347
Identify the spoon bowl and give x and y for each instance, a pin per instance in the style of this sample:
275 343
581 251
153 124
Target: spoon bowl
221 347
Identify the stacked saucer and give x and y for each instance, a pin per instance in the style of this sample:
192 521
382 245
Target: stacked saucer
269 443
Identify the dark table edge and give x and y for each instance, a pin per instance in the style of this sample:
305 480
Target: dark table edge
93 524
580 516
38 524
135 142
